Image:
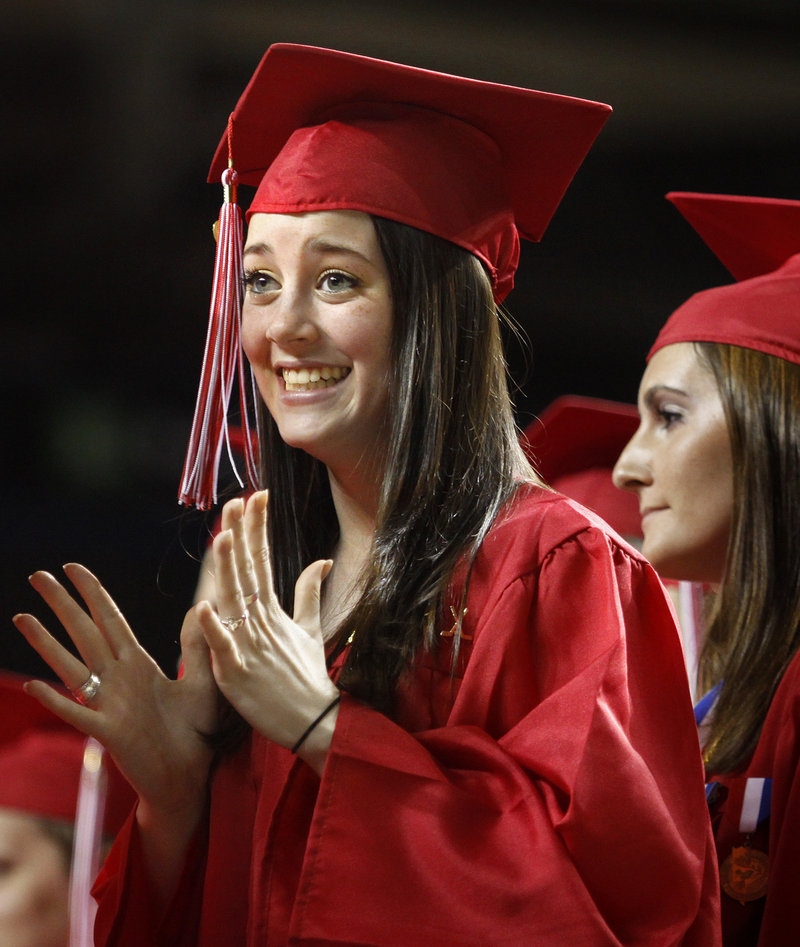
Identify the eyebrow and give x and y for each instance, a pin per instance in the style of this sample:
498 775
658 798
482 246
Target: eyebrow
317 245
650 394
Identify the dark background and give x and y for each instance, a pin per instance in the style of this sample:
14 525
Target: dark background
111 112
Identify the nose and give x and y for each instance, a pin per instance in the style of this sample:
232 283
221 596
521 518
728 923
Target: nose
290 321
632 469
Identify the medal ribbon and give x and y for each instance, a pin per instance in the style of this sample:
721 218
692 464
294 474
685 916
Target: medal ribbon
758 790
755 804
704 705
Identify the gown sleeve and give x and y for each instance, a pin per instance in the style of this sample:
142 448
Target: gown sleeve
126 914
562 802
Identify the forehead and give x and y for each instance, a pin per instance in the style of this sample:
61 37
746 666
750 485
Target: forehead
334 227
678 366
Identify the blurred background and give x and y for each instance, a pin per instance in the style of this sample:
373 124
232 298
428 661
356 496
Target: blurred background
112 111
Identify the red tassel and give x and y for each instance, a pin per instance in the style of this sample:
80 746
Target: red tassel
222 361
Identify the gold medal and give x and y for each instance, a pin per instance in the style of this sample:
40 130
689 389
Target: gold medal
744 874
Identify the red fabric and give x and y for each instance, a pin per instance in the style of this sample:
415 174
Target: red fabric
41 759
759 313
749 235
473 162
574 444
314 171
758 240
777 756
553 795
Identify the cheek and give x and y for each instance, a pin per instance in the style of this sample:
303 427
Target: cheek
368 341
710 476
253 336
257 351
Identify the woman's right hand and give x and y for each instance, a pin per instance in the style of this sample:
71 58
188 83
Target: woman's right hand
152 726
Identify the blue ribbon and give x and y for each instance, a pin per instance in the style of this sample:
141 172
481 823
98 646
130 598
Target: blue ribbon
702 707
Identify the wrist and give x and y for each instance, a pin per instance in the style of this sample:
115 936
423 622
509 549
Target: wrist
315 742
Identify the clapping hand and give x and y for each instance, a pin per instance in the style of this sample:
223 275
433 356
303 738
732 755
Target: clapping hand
269 666
152 726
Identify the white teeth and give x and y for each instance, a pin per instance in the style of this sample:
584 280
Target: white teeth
307 379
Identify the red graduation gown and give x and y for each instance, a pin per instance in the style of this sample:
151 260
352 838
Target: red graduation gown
553 796
772 921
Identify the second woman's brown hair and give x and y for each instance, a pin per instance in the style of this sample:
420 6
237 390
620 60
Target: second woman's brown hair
754 629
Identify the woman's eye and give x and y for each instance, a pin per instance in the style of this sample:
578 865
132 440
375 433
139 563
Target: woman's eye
669 417
258 283
334 281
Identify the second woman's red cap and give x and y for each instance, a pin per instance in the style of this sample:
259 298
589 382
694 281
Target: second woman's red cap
758 240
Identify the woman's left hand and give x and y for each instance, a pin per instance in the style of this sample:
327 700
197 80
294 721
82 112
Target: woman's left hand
269 666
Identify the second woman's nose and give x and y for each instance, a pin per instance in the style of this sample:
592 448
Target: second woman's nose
632 469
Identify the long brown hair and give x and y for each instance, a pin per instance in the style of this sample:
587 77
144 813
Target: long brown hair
453 460
754 629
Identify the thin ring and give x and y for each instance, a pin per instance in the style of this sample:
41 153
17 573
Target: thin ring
249 599
88 690
233 623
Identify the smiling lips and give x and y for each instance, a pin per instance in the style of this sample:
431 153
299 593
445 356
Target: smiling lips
307 379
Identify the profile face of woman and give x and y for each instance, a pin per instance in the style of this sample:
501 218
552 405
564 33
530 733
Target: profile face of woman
679 463
316 327
34 884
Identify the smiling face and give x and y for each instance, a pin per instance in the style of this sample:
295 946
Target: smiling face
34 884
679 463
316 327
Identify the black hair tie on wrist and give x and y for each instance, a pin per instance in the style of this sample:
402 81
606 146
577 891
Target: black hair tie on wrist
314 723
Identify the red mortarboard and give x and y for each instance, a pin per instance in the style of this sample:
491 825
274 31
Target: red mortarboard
460 158
575 443
758 240
41 758
476 163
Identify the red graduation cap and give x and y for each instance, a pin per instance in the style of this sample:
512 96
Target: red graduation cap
758 240
473 162
575 443
41 760
476 163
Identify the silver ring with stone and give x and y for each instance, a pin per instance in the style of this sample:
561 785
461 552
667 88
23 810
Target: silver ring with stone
233 623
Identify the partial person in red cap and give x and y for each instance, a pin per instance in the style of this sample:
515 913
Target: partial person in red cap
716 466
574 444
42 770
455 706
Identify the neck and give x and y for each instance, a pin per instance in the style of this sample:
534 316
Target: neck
356 512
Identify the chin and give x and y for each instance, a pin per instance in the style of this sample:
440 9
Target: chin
682 567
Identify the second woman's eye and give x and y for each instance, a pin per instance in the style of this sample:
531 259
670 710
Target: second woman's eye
335 281
258 283
668 417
